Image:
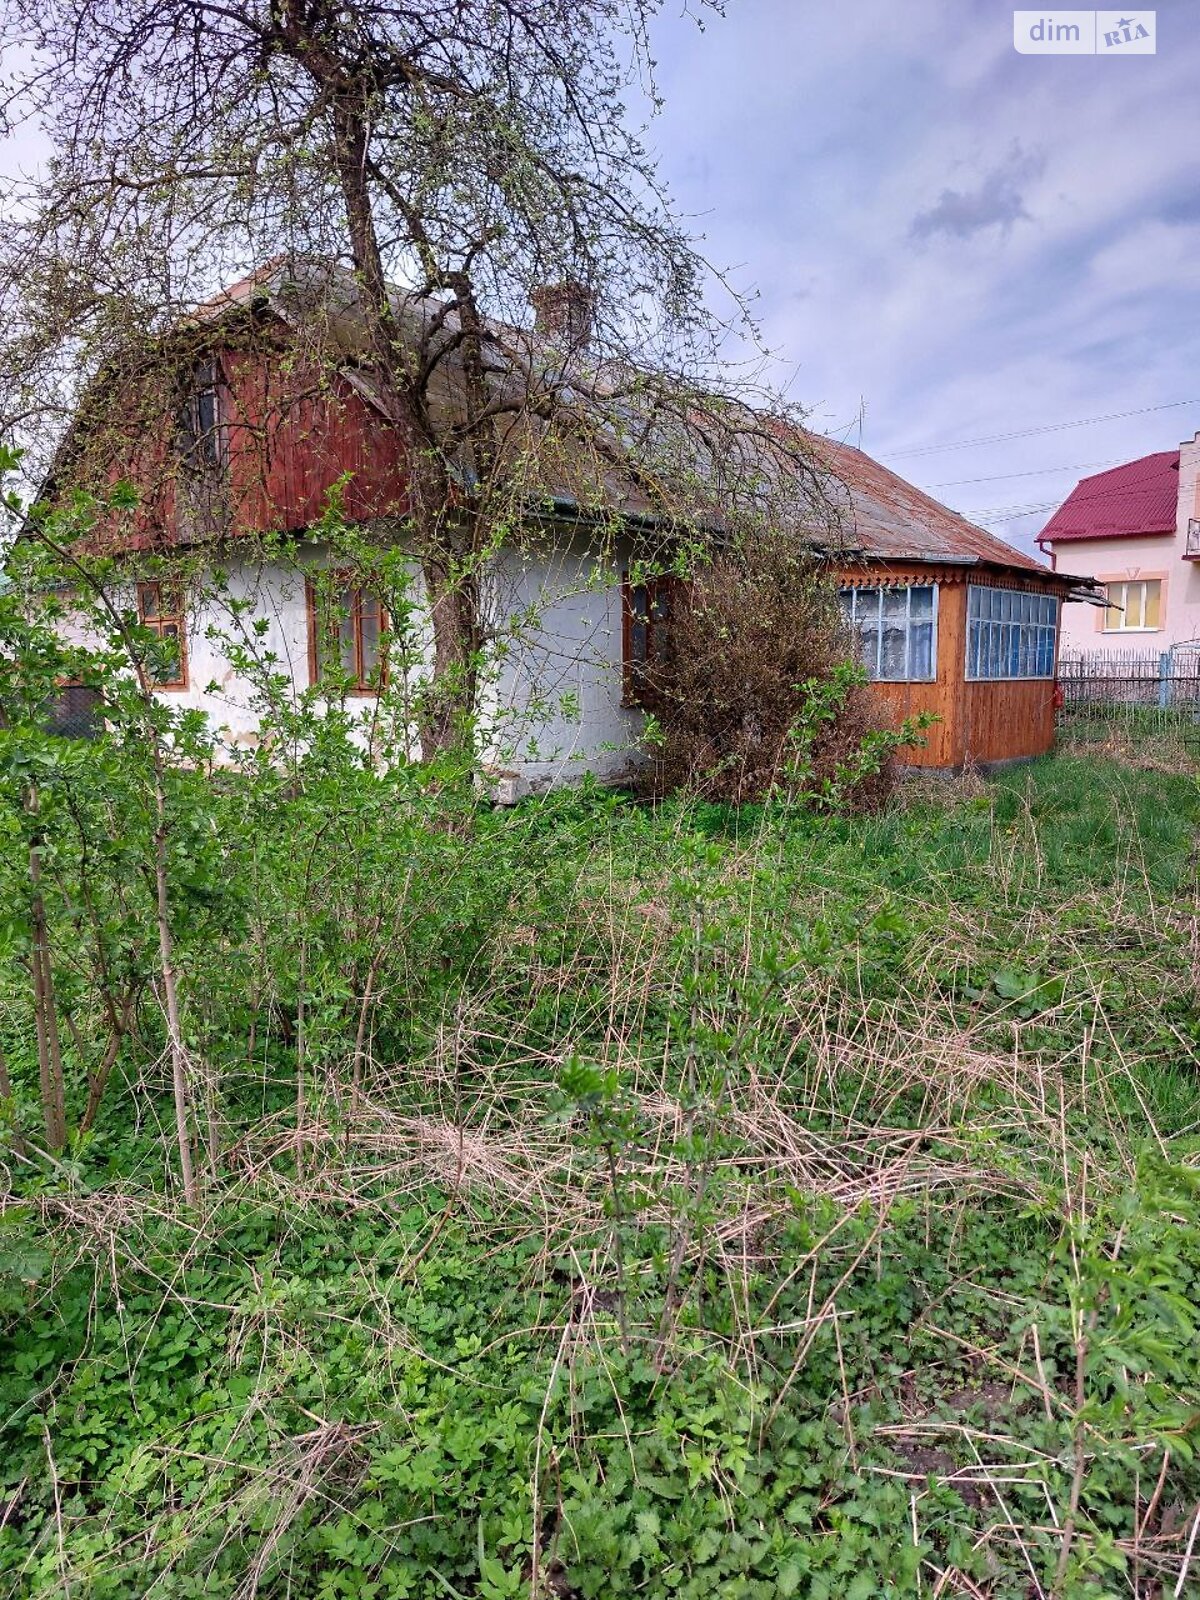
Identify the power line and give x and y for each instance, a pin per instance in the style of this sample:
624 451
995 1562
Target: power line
1138 491
1014 516
1036 472
1049 427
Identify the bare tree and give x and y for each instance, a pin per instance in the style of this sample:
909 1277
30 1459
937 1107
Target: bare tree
477 152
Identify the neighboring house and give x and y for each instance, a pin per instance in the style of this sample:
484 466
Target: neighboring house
951 620
1134 529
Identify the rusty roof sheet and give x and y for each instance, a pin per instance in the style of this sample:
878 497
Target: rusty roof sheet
891 519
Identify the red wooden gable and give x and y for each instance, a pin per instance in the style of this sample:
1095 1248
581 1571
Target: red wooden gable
292 431
288 430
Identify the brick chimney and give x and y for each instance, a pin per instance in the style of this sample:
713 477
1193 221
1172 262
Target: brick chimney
564 312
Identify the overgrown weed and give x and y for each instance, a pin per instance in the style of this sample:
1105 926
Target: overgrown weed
713 1203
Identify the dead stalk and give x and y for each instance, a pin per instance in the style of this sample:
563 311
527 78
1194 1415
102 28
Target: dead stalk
45 1010
1187 1554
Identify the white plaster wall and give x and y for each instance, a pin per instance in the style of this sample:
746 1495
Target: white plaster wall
553 709
276 594
551 705
1083 625
1160 556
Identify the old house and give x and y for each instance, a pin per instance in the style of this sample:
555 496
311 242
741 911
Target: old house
253 435
952 619
1135 530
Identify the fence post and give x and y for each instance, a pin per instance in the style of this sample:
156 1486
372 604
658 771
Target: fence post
1164 679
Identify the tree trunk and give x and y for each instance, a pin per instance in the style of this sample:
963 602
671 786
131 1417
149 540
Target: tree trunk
448 706
98 1080
166 949
9 1098
451 582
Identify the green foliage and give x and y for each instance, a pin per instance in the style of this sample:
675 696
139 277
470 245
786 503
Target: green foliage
822 706
690 1201
753 688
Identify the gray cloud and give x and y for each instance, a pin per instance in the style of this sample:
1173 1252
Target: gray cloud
825 129
996 203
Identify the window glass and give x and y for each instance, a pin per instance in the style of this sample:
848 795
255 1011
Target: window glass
869 634
371 631
160 609
354 628
1010 634
639 633
346 619
200 415
647 609
896 631
921 650
1133 606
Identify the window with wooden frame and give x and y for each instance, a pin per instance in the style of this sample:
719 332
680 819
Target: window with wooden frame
347 633
645 611
1011 634
200 439
160 609
1133 606
896 631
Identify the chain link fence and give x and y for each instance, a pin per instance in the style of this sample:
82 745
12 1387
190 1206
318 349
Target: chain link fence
76 712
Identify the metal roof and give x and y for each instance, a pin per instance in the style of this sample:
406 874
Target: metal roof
880 516
891 519
1137 498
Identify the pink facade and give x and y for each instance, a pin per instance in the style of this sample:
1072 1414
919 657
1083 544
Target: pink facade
1136 529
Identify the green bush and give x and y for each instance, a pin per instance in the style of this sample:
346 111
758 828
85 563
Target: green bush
592 1198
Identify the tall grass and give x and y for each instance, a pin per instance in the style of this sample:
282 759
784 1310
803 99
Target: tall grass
712 1202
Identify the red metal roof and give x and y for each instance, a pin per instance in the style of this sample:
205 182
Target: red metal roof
1138 497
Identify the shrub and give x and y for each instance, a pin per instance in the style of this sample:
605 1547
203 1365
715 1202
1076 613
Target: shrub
754 690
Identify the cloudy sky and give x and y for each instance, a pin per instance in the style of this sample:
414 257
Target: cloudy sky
952 241
949 241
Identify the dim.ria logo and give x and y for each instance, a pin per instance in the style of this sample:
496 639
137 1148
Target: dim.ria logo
1084 33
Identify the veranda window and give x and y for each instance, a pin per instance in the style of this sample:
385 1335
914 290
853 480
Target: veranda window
160 609
1010 634
348 630
896 631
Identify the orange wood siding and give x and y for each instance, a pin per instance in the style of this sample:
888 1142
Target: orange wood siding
994 721
1002 721
943 746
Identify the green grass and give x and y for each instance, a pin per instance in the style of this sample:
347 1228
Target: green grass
736 1204
1165 738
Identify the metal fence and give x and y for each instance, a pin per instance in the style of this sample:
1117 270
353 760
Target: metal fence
1132 700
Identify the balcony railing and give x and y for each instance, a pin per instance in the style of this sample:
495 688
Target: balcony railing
1191 549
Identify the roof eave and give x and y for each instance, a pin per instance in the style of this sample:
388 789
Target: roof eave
1072 537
